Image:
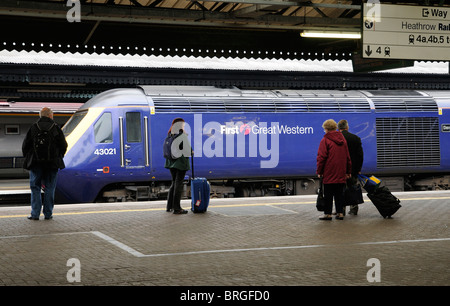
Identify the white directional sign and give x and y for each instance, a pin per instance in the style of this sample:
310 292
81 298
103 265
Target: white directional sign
406 32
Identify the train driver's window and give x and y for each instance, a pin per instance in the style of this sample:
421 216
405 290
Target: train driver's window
73 122
133 127
103 129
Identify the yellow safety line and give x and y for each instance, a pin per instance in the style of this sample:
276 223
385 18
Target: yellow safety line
213 206
89 212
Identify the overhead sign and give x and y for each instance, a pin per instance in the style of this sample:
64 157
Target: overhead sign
405 32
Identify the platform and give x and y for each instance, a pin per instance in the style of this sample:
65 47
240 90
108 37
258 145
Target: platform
14 186
270 241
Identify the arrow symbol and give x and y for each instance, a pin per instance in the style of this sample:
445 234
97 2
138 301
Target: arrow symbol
368 51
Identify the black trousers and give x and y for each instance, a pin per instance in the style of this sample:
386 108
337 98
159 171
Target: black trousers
336 192
176 189
351 182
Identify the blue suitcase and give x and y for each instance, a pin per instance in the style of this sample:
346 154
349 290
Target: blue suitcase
200 192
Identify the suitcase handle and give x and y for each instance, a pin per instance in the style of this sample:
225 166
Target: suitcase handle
192 165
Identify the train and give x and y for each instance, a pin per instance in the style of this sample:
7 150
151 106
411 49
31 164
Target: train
249 142
16 119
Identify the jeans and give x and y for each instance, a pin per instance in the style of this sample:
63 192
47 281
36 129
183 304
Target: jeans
335 191
40 176
176 189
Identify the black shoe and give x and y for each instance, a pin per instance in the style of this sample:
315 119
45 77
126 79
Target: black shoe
180 212
339 217
48 218
169 209
32 218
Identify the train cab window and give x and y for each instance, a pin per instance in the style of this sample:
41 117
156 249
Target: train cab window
133 127
73 122
103 129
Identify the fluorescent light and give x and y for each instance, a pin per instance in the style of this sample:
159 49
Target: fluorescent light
329 34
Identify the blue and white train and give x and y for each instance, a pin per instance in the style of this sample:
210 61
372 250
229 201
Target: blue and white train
248 142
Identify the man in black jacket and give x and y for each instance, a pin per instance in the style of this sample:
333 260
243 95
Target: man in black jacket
43 136
356 155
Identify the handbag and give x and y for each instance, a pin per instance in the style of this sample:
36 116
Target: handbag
353 195
370 184
320 203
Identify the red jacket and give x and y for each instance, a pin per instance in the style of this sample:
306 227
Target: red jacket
333 158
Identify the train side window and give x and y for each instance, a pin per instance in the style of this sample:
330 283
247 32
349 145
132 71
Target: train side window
134 127
12 129
103 129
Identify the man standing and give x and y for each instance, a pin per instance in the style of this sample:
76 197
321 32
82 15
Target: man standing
356 155
43 148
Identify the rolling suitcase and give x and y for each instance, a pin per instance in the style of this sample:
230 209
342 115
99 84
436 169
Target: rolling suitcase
370 184
386 203
200 192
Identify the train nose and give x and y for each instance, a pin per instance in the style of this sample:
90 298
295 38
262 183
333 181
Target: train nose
61 195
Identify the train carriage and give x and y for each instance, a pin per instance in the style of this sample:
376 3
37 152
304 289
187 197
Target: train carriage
16 119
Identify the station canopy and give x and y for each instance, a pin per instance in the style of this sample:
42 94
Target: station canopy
242 28
236 28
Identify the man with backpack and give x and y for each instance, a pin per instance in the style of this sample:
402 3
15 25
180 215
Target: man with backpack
44 147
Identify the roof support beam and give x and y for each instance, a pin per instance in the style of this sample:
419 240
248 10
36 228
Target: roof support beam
147 15
256 10
91 33
292 3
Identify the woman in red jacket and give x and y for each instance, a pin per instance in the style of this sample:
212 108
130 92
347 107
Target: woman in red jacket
334 166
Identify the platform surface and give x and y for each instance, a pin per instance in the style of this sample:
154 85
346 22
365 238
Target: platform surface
273 241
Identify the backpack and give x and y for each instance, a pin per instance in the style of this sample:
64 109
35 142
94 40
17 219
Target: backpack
167 146
43 145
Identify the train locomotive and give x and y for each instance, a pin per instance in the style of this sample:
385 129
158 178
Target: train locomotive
248 142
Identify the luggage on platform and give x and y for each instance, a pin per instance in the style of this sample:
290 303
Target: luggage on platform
320 202
386 203
200 192
353 195
370 184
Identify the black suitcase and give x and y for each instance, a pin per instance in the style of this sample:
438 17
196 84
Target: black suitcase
386 203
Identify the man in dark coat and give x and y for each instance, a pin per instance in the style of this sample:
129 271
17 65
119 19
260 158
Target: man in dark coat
43 173
356 155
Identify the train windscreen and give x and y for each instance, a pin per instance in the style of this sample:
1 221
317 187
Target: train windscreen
73 122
